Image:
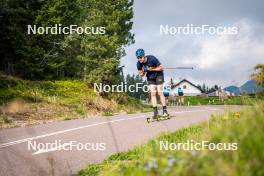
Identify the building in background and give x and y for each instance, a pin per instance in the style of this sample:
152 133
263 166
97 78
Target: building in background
219 93
189 89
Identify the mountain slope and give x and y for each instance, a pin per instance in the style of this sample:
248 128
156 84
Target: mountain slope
250 87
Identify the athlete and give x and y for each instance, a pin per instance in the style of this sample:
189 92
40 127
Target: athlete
151 67
181 97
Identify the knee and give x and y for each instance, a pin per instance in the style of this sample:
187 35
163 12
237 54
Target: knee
160 93
153 93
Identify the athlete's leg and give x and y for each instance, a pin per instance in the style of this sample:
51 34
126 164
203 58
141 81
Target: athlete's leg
181 100
162 99
161 95
153 92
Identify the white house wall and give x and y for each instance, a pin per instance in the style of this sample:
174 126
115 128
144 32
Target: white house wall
189 91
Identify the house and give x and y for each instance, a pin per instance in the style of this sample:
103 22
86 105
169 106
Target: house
189 89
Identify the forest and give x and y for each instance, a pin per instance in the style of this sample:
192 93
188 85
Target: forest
93 57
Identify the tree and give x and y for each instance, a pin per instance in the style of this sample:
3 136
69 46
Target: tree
204 88
34 56
101 53
91 57
16 47
258 75
216 87
133 80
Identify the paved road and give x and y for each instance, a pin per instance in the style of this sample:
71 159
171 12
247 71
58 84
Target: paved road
100 135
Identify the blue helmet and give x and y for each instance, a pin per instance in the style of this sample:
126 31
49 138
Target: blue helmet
140 52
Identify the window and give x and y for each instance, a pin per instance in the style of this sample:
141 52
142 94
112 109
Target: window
184 87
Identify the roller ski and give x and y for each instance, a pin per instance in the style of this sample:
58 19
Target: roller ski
157 117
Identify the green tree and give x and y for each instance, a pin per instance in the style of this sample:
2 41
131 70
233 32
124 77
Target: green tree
34 56
204 88
101 53
58 59
91 57
16 47
258 75
133 80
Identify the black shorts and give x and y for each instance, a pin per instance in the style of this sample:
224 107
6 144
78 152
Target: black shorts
156 81
180 94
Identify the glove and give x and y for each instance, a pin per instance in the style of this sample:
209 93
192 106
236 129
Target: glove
145 68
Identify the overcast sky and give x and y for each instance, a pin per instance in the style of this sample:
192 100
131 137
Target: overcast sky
218 59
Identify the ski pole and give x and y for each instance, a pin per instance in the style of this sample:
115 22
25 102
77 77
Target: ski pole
179 68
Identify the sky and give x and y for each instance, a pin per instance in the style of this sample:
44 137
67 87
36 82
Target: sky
223 60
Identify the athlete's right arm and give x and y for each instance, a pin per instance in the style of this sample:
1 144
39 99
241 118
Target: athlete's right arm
141 73
140 69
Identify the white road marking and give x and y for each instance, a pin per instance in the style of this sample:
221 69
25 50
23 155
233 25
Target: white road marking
60 147
86 126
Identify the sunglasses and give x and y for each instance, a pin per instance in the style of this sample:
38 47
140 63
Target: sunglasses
140 57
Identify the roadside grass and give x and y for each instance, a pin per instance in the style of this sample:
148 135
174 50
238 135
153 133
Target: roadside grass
107 113
200 100
244 128
24 102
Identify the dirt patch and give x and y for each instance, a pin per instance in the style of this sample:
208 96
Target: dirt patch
14 107
21 113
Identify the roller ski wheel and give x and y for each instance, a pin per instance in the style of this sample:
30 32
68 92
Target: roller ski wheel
159 118
165 117
148 119
152 119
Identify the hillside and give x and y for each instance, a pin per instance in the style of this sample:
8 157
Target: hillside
26 102
250 87
233 89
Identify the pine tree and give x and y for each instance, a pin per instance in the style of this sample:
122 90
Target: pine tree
92 57
101 53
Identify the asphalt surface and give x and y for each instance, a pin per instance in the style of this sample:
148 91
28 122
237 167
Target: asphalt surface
29 150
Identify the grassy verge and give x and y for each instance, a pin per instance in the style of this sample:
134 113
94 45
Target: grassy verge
244 128
200 100
25 102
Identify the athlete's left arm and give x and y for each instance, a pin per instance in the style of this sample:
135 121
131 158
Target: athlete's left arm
158 68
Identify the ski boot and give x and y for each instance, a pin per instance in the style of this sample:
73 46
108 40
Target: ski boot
155 115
